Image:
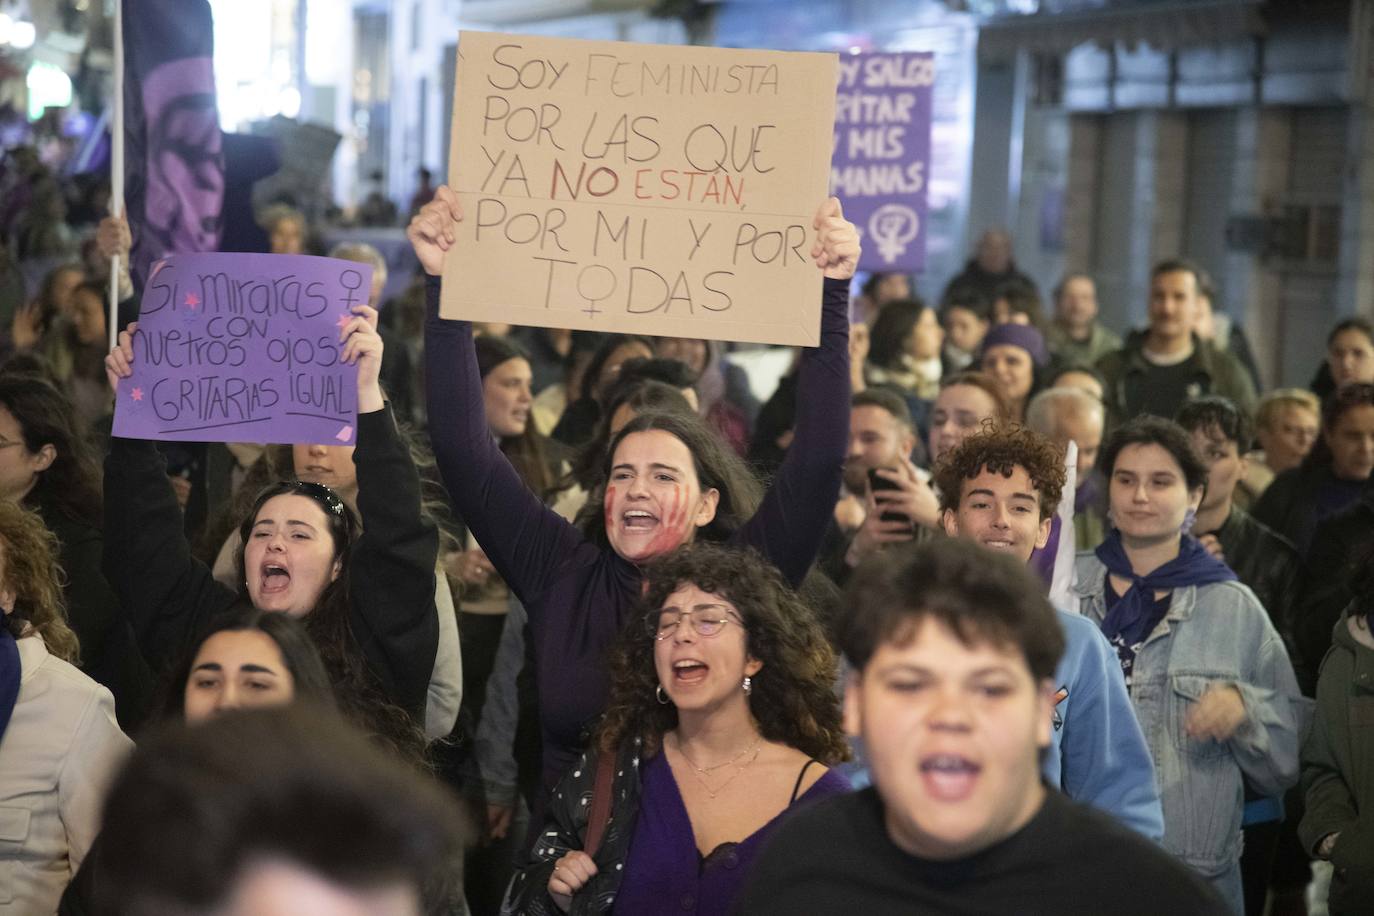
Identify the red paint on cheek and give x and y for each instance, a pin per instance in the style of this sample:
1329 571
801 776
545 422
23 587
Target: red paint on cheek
673 529
606 507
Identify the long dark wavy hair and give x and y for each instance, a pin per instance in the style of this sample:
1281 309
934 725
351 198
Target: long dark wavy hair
716 464
793 698
309 680
71 484
357 689
528 452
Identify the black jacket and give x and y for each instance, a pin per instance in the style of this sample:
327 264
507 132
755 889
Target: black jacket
1340 541
973 276
1272 567
1127 373
1289 504
109 654
170 595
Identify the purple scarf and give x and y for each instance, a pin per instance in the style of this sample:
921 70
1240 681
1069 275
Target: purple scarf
1130 620
9 677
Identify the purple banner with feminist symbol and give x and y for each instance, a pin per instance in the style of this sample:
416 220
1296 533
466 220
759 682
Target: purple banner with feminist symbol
881 158
244 348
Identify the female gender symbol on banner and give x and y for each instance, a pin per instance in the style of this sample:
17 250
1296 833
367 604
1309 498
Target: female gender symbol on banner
893 227
244 348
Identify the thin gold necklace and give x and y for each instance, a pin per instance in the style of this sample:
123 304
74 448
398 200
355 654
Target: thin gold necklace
700 773
678 740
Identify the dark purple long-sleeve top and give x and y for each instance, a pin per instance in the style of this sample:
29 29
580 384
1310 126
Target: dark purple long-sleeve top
578 593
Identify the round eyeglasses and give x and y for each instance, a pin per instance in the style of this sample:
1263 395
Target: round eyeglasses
706 620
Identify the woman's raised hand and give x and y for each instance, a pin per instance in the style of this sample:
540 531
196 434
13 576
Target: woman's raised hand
112 238
363 345
432 231
836 250
120 361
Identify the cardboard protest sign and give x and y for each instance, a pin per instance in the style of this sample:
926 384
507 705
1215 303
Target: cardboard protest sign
639 188
882 154
244 348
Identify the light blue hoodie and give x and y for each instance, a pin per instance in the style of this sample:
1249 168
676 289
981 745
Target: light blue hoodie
1098 754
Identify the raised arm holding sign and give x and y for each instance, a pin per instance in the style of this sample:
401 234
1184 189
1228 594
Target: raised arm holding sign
251 348
365 581
670 480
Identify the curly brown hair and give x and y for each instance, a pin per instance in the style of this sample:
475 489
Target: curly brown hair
29 569
793 699
999 448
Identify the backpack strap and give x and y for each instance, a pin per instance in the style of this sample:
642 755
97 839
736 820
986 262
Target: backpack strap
601 803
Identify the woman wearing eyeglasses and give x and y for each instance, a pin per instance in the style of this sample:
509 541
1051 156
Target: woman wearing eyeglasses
366 597
722 715
669 480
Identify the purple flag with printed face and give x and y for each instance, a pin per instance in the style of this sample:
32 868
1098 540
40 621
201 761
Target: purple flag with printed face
244 348
881 159
174 161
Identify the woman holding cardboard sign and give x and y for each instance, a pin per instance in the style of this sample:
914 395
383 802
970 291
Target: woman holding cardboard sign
366 595
669 480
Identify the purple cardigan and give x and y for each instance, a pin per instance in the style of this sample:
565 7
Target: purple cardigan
665 871
578 593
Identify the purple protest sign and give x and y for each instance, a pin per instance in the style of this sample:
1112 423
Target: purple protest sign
244 348
882 154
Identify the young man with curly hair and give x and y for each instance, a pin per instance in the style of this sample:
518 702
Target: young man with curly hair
953 654
1000 489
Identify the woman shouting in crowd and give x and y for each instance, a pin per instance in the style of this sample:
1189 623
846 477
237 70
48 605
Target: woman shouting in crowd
669 480
367 598
722 716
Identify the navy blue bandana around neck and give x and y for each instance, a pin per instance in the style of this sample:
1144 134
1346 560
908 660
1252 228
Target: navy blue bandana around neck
9 677
1129 622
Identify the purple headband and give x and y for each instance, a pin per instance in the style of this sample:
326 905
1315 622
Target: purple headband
1018 335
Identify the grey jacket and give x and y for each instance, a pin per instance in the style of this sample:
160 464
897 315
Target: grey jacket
1212 634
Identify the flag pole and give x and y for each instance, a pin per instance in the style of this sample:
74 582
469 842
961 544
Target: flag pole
116 164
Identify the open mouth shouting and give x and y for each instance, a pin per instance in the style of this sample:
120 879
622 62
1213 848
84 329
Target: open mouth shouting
688 672
275 579
638 521
949 777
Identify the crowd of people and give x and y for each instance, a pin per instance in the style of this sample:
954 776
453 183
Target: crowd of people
593 623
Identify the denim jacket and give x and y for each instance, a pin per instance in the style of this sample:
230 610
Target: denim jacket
1212 634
